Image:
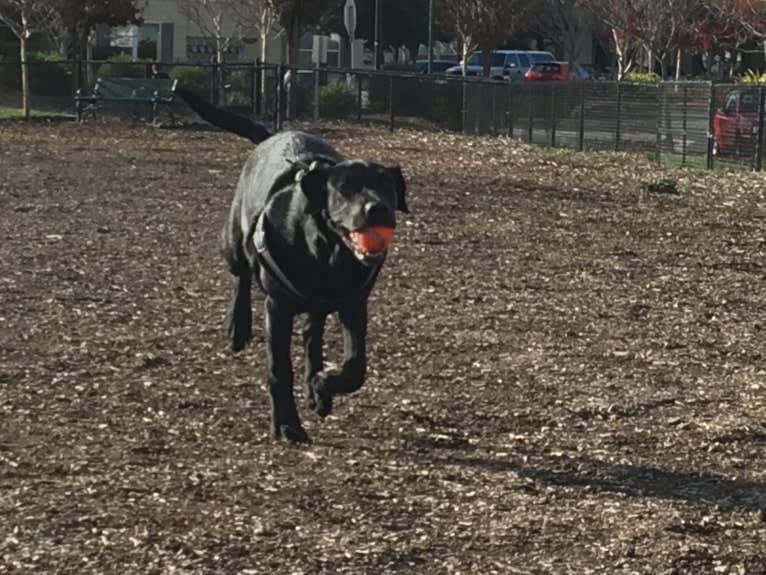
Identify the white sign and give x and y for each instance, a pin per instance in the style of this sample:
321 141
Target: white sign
349 17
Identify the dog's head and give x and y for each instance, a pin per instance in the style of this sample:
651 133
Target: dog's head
361 200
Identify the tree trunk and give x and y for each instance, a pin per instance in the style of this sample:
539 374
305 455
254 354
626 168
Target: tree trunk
466 44
219 60
24 71
679 57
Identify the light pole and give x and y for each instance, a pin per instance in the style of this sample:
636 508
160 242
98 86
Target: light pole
430 34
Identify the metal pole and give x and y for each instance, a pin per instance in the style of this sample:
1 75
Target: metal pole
391 102
375 33
618 126
258 87
510 113
684 124
581 126
553 116
759 135
710 115
430 34
316 93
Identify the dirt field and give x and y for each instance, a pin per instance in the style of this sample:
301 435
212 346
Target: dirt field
567 374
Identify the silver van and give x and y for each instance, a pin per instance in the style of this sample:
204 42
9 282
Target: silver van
504 64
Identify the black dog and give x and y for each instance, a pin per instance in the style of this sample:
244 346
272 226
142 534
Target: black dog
303 224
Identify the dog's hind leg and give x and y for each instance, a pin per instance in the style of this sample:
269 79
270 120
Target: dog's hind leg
239 321
326 384
239 318
286 424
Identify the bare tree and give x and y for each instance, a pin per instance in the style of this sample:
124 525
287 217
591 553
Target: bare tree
266 19
483 24
25 18
220 20
566 23
76 19
658 25
727 24
295 16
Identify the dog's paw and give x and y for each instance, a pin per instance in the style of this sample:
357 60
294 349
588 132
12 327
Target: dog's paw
319 392
239 334
292 433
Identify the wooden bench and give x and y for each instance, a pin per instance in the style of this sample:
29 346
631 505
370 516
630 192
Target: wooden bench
145 95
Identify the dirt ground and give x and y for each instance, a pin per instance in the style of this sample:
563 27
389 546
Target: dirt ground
567 372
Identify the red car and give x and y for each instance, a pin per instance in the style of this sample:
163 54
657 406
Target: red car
735 126
547 72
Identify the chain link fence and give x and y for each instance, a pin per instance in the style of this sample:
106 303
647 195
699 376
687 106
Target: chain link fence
683 123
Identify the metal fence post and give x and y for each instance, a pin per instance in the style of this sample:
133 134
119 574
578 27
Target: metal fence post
509 113
258 80
711 114
581 126
759 137
530 114
358 97
278 97
683 125
316 93
391 102
463 103
658 124
553 116
618 123
213 81
253 87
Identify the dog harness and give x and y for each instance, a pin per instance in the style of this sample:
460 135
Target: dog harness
268 263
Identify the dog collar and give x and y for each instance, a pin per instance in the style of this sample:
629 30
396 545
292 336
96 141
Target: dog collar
268 263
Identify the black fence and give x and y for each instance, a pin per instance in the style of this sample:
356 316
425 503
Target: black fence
687 123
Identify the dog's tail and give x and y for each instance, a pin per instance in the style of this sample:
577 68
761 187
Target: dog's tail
229 121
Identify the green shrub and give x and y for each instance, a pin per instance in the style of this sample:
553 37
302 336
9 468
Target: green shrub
121 66
640 77
193 78
336 100
239 82
49 75
752 77
660 186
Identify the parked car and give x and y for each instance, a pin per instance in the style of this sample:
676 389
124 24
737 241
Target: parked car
735 125
437 66
504 64
580 73
547 72
540 56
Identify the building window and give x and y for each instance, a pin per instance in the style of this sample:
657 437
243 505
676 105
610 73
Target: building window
306 49
143 42
148 42
201 49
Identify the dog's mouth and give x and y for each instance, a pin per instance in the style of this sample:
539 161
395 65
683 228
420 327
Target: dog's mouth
369 245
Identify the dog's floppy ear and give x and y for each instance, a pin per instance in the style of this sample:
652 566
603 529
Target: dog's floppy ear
313 183
401 189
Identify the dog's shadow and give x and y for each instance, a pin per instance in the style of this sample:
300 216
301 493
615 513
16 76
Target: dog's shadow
626 479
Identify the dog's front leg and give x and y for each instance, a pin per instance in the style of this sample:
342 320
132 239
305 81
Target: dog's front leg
313 331
326 384
286 424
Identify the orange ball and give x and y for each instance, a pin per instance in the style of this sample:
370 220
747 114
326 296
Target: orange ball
374 239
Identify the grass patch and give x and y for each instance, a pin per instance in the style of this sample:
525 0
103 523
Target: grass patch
15 114
699 161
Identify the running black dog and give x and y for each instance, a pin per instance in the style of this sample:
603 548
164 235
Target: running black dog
312 229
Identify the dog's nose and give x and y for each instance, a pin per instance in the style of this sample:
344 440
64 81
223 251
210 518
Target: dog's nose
376 212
